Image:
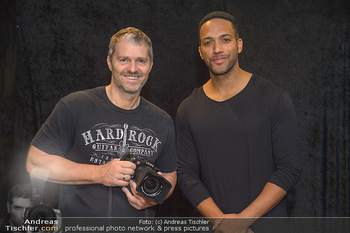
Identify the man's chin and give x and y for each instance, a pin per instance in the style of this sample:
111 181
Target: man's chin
219 72
132 92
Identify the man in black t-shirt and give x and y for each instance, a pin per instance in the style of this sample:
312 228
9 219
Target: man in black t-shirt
81 143
237 139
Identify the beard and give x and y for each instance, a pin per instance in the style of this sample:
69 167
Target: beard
220 70
223 68
131 89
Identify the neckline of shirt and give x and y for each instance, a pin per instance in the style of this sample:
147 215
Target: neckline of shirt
115 107
233 97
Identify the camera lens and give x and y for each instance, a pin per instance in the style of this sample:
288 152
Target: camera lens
151 185
42 212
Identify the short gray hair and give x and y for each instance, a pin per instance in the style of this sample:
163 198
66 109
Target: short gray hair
130 34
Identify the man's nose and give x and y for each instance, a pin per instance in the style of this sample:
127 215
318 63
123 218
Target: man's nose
132 67
23 211
217 47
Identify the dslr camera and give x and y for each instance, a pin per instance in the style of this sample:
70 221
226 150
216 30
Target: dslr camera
152 185
41 215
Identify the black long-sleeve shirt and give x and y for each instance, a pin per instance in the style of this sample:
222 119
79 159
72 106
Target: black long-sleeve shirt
229 150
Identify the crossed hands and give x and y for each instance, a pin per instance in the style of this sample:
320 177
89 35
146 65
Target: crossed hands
232 223
119 173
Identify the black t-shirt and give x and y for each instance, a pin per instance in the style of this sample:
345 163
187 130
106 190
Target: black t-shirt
86 127
229 150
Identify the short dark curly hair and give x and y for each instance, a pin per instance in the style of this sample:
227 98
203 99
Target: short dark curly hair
219 15
19 190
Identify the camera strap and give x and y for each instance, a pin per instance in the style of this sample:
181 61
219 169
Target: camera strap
110 200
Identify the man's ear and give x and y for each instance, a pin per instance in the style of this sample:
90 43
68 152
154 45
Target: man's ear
240 45
109 63
200 51
150 67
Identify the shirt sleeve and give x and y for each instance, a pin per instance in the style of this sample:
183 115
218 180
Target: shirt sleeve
56 135
189 171
286 144
166 161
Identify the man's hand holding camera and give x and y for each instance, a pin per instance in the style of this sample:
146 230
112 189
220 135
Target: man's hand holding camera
147 185
116 173
136 199
119 173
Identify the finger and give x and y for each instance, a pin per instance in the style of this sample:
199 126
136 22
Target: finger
217 223
139 195
134 202
126 191
136 194
122 180
122 164
124 177
129 195
215 226
127 164
122 183
128 171
133 187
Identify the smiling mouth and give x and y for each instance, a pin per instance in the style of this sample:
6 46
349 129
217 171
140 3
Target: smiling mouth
218 60
132 77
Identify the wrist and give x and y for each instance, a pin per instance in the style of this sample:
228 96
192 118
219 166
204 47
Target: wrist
95 174
249 217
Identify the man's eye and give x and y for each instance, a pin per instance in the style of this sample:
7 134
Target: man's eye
226 39
206 43
142 61
123 60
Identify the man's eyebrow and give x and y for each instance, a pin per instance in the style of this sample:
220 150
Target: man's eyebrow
223 35
207 38
136 58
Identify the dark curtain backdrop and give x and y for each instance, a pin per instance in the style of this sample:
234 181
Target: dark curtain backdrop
52 48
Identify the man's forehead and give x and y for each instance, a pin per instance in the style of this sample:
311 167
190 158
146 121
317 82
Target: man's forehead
131 42
127 47
216 27
21 201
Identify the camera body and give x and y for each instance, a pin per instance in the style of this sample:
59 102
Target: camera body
150 184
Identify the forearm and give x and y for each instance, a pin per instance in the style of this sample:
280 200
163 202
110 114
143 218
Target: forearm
269 197
61 170
172 178
210 210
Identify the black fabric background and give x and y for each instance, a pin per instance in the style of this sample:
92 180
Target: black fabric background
51 48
